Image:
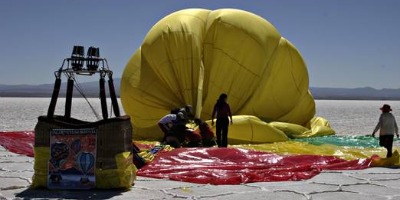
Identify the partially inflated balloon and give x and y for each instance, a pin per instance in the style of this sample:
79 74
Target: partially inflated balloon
193 55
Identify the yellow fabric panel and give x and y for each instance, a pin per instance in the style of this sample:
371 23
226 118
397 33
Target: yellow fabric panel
173 49
283 92
305 109
303 148
166 71
289 86
41 167
142 98
250 129
291 130
319 127
237 49
393 161
121 177
192 56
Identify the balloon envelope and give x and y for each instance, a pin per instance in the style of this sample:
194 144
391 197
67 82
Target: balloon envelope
193 55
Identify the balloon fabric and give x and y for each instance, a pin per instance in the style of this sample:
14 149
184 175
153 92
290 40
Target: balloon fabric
222 166
281 161
191 56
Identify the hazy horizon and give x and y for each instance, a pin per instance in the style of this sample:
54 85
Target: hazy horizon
117 79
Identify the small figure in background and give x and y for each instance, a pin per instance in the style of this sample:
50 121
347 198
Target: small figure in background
223 111
387 127
207 135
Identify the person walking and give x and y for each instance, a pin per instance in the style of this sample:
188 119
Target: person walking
223 112
387 127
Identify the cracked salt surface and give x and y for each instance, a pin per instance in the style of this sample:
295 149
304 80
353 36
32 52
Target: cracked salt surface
373 183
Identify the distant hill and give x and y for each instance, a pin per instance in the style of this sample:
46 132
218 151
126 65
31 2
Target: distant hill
365 93
91 89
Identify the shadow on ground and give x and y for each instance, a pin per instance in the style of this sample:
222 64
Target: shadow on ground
69 194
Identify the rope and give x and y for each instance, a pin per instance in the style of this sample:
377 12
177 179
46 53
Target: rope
78 87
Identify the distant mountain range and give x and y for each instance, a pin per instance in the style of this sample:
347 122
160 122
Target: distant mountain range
91 89
365 93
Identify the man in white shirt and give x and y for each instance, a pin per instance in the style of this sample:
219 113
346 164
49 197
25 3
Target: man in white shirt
167 122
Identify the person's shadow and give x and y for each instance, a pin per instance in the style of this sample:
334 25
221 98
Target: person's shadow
69 194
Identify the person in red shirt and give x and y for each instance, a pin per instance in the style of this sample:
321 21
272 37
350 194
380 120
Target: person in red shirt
207 135
193 138
223 112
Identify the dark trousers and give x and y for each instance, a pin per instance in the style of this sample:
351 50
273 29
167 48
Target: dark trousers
165 129
222 131
387 142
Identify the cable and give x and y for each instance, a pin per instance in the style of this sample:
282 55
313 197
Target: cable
78 87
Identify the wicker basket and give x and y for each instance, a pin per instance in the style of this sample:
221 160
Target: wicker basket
113 167
114 135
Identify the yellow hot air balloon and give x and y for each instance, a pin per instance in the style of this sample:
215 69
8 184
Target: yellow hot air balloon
191 56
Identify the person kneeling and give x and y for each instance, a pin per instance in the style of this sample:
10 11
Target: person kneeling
193 138
207 135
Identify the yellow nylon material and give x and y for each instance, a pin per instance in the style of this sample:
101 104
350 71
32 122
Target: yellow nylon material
40 167
303 148
122 177
250 129
319 127
193 55
393 161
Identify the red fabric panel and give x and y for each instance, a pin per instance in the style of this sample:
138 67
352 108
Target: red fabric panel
235 166
216 165
20 142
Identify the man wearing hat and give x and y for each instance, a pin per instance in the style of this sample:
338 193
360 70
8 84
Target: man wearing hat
387 126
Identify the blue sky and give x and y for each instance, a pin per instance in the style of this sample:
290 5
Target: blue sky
345 43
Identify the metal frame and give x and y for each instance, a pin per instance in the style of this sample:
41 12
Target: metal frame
67 69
